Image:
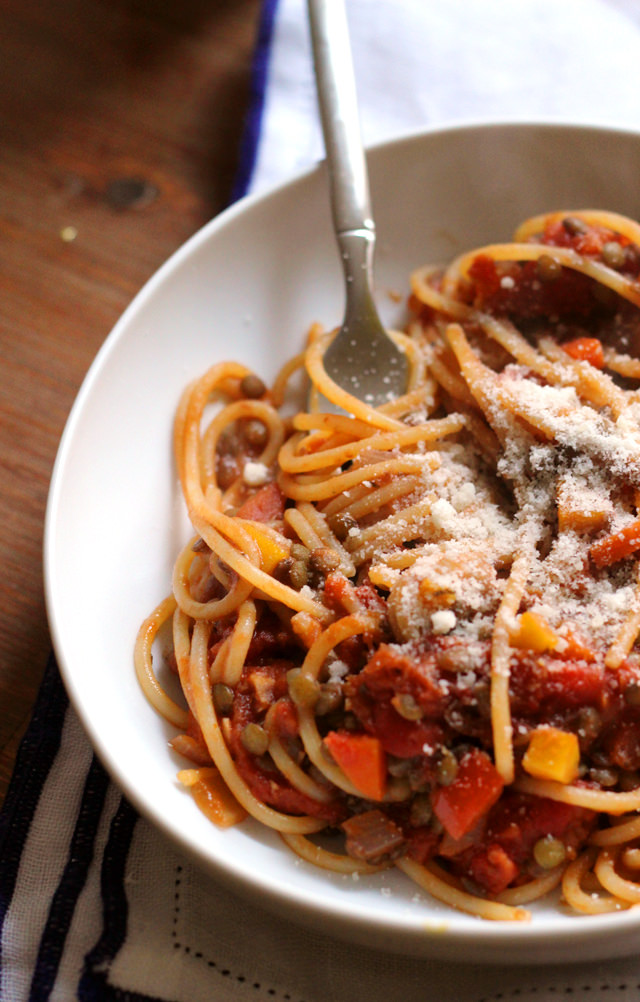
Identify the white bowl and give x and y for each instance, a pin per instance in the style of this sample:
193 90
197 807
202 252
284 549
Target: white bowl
247 287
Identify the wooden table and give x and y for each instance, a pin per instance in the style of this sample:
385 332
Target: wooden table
119 130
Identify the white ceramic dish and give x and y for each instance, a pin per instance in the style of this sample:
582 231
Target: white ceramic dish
247 287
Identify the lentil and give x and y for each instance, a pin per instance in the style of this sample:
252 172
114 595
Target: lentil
405 704
222 697
252 387
329 699
255 739
548 268
341 523
299 574
604 777
549 852
324 561
613 254
256 432
447 767
574 227
304 691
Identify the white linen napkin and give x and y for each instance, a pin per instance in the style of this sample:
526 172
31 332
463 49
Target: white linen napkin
94 902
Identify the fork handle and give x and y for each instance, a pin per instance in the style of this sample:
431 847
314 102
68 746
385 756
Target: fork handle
335 80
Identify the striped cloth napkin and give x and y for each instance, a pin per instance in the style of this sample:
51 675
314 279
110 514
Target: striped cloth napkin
94 902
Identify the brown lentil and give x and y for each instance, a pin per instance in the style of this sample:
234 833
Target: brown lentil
300 552
548 268
604 777
405 704
222 697
341 523
613 254
252 387
200 546
282 570
574 227
256 432
255 739
447 767
329 699
589 723
323 560
549 852
299 574
304 691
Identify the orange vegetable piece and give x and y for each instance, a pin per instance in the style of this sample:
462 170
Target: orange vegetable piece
610 549
552 754
272 550
574 649
476 788
581 511
586 349
213 796
362 759
533 633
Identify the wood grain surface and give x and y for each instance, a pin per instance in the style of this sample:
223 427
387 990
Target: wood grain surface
120 123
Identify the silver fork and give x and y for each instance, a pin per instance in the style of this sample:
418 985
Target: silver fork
362 358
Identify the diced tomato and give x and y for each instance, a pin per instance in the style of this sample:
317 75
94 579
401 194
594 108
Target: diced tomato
493 869
286 718
513 826
362 759
266 505
586 349
623 745
421 843
616 546
404 738
476 788
524 297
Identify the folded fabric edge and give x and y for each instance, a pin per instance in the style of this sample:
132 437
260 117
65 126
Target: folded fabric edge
36 754
253 118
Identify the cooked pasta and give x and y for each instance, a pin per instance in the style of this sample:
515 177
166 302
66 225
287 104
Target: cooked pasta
414 627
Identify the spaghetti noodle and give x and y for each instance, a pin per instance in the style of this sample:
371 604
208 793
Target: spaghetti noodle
414 627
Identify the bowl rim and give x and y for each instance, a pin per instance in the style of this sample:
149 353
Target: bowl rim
350 914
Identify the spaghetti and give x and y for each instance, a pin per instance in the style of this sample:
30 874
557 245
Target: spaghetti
414 627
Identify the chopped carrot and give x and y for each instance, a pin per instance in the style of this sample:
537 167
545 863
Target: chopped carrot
610 549
362 759
273 548
533 633
573 649
586 349
552 754
476 788
583 510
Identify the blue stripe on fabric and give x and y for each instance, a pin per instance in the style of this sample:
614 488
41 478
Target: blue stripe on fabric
41 743
94 986
253 119
35 757
71 883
